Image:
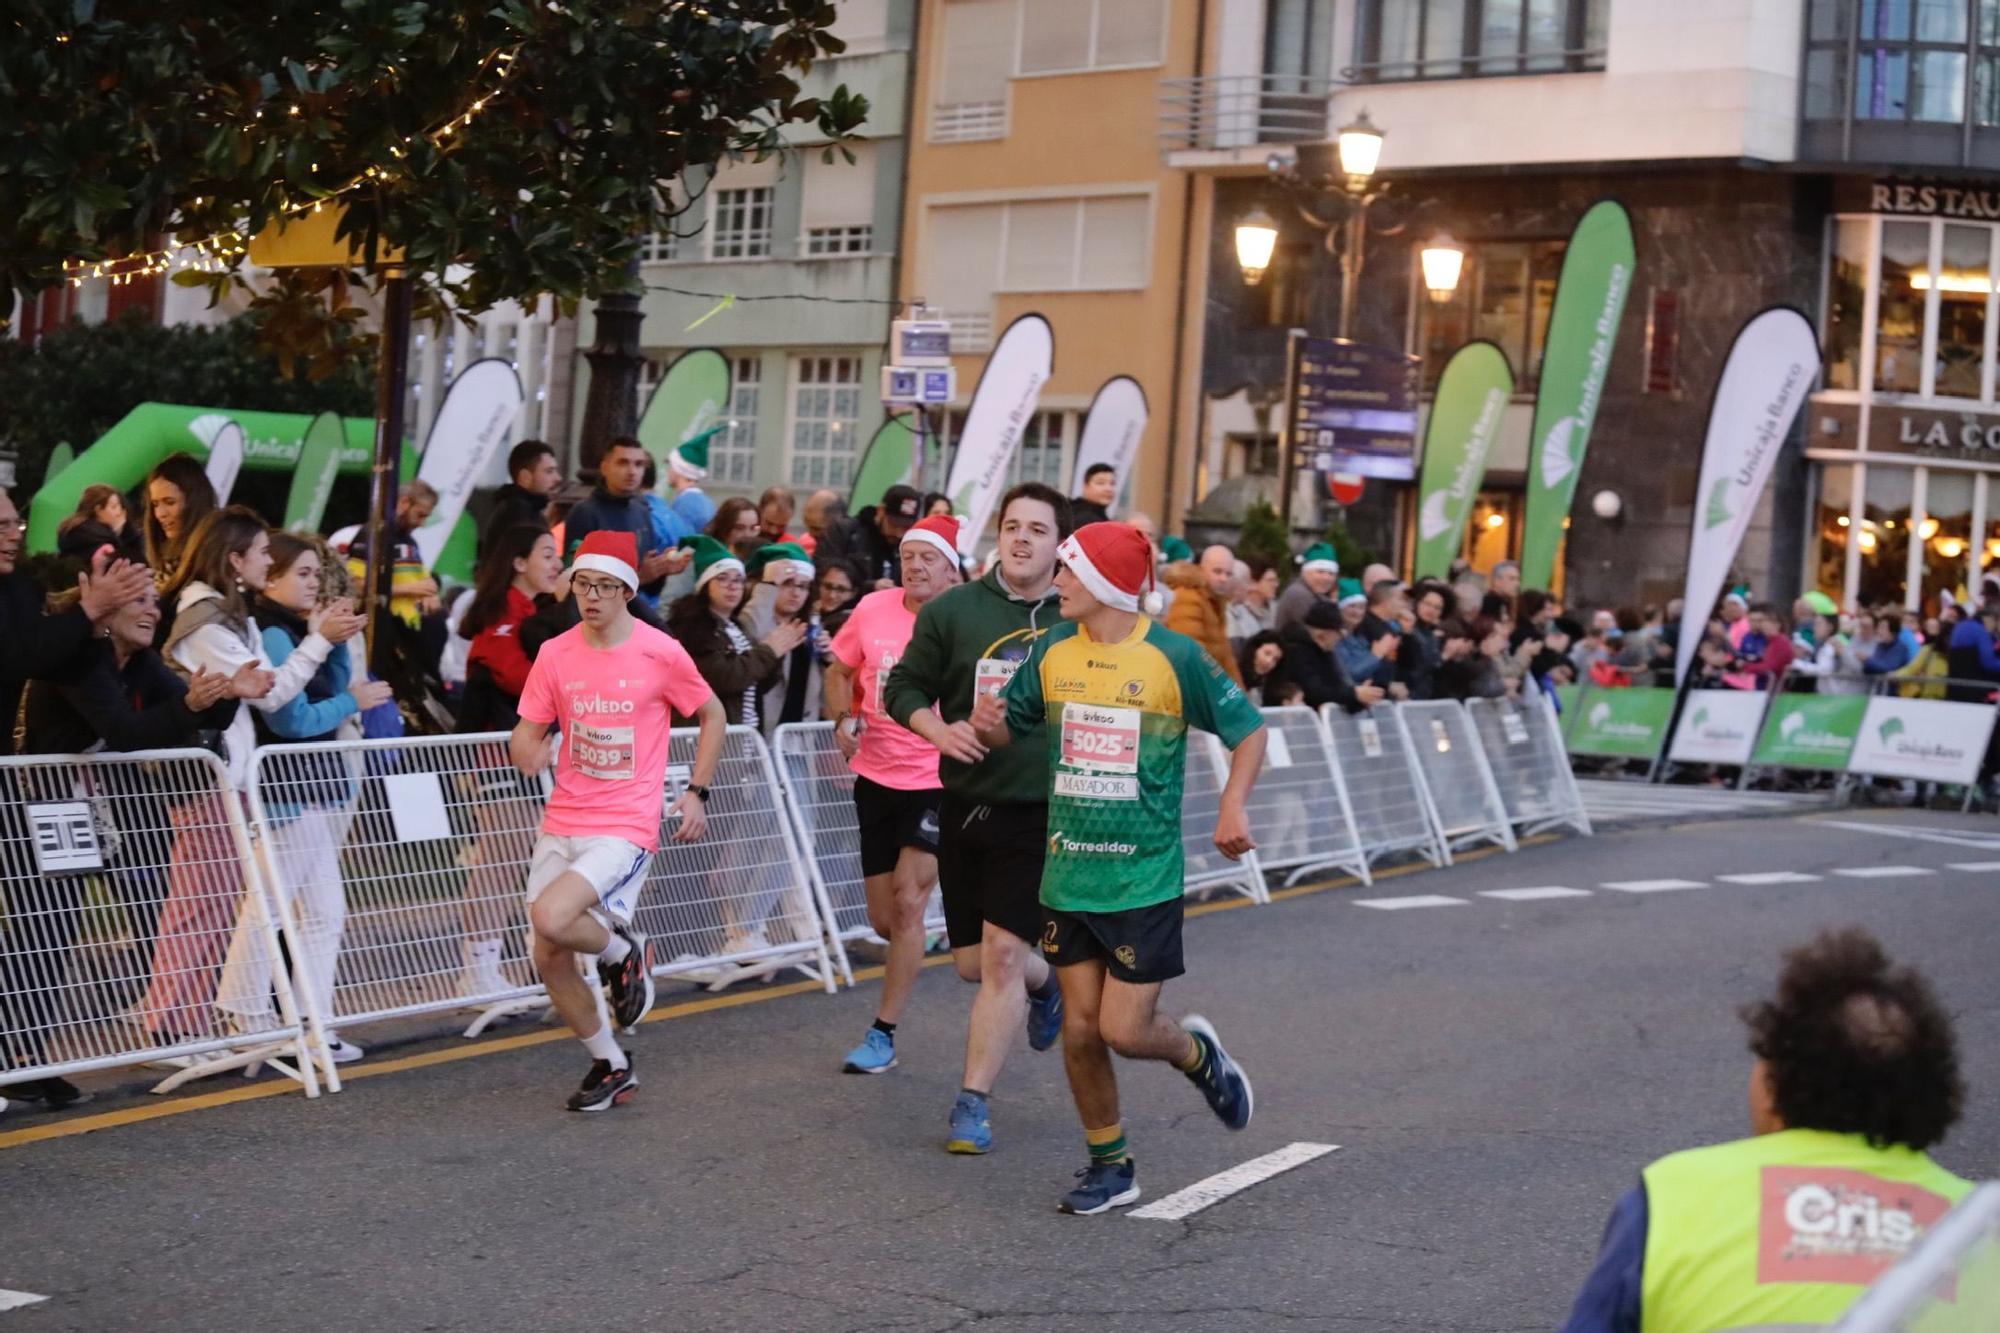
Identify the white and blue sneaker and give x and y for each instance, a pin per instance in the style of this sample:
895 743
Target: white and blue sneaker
875 1055
1221 1080
1101 1186
971 1131
1044 1019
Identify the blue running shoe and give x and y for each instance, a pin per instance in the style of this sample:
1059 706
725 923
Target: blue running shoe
875 1055
1221 1080
971 1131
1101 1186
1044 1019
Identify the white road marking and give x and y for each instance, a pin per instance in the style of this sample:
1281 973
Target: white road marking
1413 900
1652 885
1884 872
1207 1193
1534 895
1915 833
1770 877
1975 865
14 1300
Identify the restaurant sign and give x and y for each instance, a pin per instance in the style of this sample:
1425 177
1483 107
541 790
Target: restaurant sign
1892 429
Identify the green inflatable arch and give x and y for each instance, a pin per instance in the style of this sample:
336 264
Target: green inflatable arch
123 456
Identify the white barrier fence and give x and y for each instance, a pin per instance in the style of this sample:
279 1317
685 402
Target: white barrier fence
141 909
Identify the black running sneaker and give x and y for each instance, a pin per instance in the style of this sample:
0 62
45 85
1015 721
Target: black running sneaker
55 1093
605 1087
1101 1186
1221 1080
629 982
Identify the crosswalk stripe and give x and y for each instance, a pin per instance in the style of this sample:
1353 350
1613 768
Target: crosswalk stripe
1652 885
1413 900
1207 1193
1534 895
14 1300
1915 833
1883 872
1975 865
1770 877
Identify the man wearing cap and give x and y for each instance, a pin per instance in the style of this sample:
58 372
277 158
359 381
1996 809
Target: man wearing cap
687 469
896 786
880 540
618 504
1117 694
993 821
1319 571
612 686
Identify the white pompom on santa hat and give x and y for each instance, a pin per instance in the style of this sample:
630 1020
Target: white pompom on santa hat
1114 561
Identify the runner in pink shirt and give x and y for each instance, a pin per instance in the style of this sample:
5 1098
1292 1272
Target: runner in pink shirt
896 786
611 685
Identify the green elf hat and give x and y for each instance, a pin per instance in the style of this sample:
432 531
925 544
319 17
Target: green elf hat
1740 594
690 457
1173 550
1821 603
1350 592
711 557
779 559
1319 556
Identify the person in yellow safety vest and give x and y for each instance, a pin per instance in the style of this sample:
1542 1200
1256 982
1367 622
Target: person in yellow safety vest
1856 1076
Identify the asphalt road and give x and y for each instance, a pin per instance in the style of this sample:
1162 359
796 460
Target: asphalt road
1495 1073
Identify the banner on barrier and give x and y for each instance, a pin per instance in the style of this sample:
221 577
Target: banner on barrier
1810 731
1625 723
1925 739
1718 727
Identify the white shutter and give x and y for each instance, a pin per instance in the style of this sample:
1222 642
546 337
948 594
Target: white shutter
840 193
960 244
1055 35
1130 32
1116 242
748 175
862 24
1041 246
978 52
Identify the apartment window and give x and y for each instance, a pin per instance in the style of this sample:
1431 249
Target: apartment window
837 208
975 51
739 224
649 380
863 25
1094 243
1910 60
1455 39
840 240
660 246
826 407
1504 294
1044 451
1072 36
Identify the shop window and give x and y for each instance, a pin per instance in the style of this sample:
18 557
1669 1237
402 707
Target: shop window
1846 298
1899 314
1964 282
1832 527
1944 531
1504 294
1884 538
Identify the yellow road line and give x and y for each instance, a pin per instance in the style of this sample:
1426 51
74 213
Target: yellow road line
132 1115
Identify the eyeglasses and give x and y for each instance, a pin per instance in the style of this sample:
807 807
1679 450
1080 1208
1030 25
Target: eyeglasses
13 525
794 585
594 588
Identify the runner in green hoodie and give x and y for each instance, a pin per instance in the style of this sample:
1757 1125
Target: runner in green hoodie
994 818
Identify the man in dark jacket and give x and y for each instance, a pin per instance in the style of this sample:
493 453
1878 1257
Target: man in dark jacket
533 477
1311 663
1971 655
619 505
34 645
1100 492
879 541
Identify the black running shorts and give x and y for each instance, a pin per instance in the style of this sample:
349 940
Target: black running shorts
891 820
1139 946
990 868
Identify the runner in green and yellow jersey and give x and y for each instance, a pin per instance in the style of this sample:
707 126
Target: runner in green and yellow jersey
1117 694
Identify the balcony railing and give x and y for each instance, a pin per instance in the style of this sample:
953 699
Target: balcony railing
1242 110
968 122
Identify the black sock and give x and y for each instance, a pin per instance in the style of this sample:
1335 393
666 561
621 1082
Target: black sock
885 1027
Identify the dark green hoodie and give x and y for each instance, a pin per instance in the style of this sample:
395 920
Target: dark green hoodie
976 634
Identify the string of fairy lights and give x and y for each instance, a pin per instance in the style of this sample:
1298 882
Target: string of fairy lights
219 251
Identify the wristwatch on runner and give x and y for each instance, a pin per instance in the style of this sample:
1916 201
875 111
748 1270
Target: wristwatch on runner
699 790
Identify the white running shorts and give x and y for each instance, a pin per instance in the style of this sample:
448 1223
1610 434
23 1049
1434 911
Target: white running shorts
615 868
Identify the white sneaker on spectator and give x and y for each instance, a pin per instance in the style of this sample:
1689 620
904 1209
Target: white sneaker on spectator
482 974
342 1052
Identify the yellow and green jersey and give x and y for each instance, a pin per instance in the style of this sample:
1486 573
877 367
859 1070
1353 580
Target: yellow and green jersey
1117 717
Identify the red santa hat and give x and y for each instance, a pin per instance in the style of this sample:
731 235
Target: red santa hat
1113 560
613 553
940 531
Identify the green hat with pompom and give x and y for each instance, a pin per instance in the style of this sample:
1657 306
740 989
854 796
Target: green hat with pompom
711 557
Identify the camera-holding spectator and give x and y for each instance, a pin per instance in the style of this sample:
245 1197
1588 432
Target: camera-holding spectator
1471 653
784 576
839 590
735 527
1373 644
879 537
100 520
1856 1077
1422 649
1319 576
1312 663
179 496
1200 605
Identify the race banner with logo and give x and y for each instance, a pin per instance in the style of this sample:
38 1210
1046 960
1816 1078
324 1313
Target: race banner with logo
312 478
1472 396
1009 387
1623 723
1810 731
1763 384
1928 740
1111 431
471 425
691 396
1718 727
891 460
225 460
1583 330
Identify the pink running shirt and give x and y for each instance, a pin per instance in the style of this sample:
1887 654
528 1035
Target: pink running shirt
870 644
615 708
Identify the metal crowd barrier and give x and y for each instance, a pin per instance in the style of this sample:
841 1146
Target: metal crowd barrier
1299 813
1205 870
1468 805
125 880
1524 753
1385 787
819 795
1950 1283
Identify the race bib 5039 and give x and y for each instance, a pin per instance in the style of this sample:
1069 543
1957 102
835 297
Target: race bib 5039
602 752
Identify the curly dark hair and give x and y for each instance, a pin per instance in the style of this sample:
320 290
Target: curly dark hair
1854 1045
